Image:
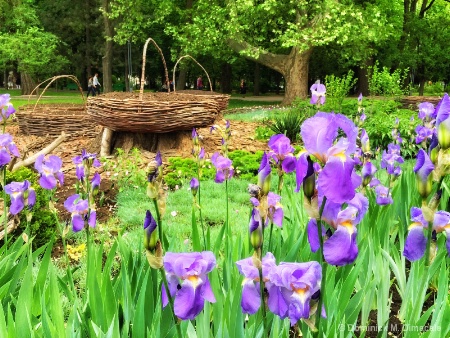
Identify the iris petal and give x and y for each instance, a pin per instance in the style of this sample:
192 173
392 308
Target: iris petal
340 249
415 244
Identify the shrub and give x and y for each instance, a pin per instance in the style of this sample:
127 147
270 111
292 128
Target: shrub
43 223
337 89
379 126
383 83
287 123
263 132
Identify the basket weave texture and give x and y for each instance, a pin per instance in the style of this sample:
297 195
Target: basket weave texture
152 112
52 119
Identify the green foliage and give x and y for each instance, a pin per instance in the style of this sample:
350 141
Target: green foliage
380 123
43 224
246 164
435 88
263 133
338 88
126 168
288 123
181 170
383 83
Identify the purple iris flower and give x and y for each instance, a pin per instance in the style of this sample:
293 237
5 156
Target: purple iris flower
416 241
305 175
367 172
150 235
264 172
374 182
275 210
391 159
188 282
423 133
318 91
282 151
363 117
255 229
341 249
365 144
201 154
7 149
360 97
251 295
85 160
6 107
194 184
194 134
383 195
426 111
443 122
80 212
319 134
423 169
50 173
290 287
22 195
223 166
88 159
357 157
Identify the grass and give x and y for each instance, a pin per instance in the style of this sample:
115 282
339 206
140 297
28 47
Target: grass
50 96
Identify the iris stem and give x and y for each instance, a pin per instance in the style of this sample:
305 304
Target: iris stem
159 222
171 304
5 209
270 237
227 242
200 206
324 267
263 303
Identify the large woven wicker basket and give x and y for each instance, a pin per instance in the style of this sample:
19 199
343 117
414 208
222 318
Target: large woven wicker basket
152 112
52 119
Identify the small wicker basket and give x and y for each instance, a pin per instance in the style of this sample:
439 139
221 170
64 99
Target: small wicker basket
51 119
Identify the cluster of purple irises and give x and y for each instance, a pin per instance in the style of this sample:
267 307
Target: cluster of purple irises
50 172
431 166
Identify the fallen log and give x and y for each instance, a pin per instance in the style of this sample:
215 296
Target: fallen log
30 160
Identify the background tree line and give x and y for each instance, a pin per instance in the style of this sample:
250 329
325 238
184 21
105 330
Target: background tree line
272 44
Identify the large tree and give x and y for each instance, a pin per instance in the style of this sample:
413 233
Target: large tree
278 34
24 42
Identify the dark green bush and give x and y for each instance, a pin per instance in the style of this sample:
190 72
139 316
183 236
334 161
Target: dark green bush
379 126
288 123
43 223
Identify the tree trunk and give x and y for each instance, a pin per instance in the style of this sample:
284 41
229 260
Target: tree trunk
181 81
107 58
257 79
225 79
363 81
421 87
295 73
27 84
170 143
294 68
88 56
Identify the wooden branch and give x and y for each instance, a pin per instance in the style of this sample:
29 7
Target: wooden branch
30 160
10 228
271 60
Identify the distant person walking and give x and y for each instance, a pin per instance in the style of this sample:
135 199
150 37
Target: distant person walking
199 83
96 84
243 88
91 88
